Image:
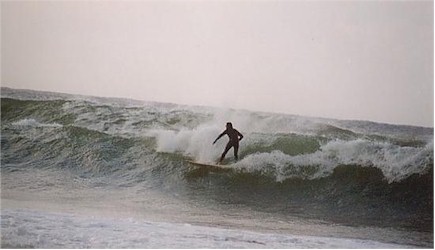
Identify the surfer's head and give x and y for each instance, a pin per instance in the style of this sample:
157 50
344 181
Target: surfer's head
229 125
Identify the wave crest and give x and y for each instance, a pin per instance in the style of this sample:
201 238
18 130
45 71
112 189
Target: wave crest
395 162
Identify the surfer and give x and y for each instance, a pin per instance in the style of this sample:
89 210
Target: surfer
235 136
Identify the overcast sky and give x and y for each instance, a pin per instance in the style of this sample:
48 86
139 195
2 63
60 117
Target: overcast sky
366 60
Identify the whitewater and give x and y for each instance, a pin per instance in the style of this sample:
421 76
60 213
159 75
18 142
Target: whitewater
94 172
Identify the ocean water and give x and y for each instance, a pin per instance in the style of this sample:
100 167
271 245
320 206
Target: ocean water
92 172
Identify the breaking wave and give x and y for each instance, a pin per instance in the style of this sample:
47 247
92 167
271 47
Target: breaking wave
284 159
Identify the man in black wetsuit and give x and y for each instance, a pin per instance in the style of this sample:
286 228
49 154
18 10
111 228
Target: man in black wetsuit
235 136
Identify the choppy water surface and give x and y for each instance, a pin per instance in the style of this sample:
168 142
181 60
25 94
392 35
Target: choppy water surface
122 158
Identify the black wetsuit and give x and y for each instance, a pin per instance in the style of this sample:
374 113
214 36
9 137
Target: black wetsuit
233 134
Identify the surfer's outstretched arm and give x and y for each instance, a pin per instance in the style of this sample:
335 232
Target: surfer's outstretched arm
223 133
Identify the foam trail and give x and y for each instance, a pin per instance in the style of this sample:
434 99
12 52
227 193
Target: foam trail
30 229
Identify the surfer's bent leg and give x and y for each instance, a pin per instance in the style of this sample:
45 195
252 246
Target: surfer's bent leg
229 145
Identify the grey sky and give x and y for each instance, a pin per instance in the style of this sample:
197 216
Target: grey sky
369 60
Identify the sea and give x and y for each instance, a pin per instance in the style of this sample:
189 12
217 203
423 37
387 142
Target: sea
94 172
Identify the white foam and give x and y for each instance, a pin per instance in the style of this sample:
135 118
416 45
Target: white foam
395 162
33 123
196 143
36 229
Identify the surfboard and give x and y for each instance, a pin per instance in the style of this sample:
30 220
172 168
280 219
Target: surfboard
211 166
